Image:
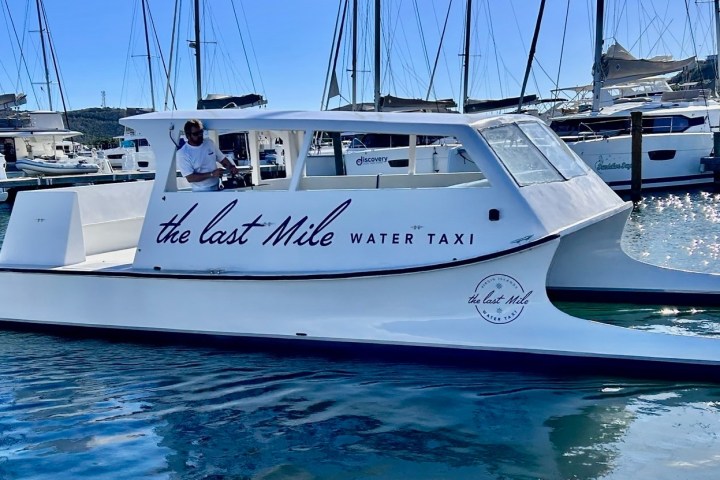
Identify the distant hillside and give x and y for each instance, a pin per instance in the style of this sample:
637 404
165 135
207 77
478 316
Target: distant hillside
98 125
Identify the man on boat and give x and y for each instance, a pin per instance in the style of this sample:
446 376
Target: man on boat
197 159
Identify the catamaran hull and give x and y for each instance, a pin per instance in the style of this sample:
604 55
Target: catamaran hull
590 265
493 305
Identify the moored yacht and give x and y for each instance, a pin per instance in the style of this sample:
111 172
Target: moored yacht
676 135
458 261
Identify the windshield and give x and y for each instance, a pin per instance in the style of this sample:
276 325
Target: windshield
555 150
520 156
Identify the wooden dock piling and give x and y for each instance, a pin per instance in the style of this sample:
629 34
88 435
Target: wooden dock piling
636 156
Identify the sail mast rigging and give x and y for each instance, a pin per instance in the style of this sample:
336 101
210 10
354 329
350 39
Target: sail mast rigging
44 53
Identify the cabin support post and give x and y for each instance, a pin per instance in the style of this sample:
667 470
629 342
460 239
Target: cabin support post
636 168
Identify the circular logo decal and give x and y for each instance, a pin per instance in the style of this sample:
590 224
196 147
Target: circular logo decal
499 298
359 161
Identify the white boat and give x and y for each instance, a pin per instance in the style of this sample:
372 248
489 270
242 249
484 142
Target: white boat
437 262
38 166
133 153
676 125
676 135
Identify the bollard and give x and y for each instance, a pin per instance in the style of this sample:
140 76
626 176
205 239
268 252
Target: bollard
636 155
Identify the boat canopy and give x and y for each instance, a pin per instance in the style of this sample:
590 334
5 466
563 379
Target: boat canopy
620 66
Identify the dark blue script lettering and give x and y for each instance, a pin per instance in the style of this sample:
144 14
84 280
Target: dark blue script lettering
170 230
311 235
227 237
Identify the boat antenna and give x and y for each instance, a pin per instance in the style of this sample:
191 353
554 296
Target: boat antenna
531 55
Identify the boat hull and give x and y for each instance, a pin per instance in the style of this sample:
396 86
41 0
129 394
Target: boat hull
489 306
668 160
39 167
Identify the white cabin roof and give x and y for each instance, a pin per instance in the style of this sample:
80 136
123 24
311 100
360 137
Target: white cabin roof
379 122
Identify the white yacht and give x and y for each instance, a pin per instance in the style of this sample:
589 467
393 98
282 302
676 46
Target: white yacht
132 153
676 125
456 262
677 133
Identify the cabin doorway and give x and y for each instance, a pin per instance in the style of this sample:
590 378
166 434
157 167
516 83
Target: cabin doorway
9 150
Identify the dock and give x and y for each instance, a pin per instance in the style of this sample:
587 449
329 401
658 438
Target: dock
61 180
12 185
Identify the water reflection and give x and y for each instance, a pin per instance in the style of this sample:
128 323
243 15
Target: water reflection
98 409
680 230
112 410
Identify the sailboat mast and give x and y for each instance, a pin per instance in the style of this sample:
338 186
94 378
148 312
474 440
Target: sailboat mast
197 50
377 56
597 70
717 49
354 54
531 55
466 55
149 60
45 63
173 39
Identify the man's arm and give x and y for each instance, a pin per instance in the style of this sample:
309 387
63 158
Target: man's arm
186 169
229 165
199 177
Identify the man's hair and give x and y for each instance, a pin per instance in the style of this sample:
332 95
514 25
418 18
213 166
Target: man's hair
192 123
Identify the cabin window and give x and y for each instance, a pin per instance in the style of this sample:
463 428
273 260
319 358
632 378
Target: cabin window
556 151
521 157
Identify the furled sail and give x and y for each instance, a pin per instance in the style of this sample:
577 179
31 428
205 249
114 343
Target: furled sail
619 66
389 103
217 101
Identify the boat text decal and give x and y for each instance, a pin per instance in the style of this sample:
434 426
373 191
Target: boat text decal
298 231
370 160
604 164
499 298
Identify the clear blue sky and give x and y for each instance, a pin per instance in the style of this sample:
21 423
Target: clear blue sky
100 47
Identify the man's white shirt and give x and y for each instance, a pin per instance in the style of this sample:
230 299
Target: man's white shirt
201 159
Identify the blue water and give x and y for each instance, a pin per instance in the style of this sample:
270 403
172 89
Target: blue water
90 408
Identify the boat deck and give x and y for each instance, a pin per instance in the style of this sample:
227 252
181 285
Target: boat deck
117 261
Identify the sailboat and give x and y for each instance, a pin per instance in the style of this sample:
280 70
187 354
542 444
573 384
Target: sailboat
35 142
374 153
677 125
